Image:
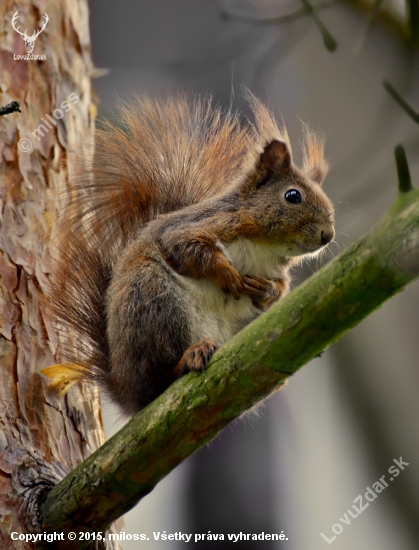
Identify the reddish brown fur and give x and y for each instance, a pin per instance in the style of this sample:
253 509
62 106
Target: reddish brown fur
199 168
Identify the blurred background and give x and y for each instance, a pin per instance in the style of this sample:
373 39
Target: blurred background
298 464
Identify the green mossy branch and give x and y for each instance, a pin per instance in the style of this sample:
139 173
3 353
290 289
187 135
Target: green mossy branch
243 372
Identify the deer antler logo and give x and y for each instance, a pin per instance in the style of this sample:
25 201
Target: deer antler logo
29 40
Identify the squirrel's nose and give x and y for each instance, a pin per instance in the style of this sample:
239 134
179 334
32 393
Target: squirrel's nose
327 235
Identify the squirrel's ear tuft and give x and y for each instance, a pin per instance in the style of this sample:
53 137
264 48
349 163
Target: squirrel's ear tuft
317 174
315 165
275 158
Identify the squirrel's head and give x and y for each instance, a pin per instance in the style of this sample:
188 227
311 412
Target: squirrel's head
288 204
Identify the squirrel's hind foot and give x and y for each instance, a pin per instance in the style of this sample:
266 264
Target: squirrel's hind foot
196 357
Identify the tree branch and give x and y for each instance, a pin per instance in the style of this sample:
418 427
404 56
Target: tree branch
403 172
243 372
307 9
10 108
388 15
302 12
403 104
413 17
328 40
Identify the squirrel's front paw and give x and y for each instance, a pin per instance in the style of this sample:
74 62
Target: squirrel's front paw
228 279
196 357
231 283
264 292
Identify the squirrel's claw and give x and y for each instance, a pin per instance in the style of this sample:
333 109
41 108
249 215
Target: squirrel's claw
196 357
230 282
263 292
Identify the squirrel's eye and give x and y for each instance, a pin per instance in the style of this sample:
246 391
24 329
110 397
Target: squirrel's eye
293 196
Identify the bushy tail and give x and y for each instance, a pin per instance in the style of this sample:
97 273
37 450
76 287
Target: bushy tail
159 157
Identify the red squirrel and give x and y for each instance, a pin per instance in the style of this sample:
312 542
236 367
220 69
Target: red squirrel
179 233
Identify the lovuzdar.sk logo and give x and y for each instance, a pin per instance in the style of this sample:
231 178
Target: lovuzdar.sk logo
29 40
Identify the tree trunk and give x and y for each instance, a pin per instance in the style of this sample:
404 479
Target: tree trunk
42 437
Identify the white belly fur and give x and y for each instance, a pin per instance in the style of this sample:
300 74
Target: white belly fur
218 316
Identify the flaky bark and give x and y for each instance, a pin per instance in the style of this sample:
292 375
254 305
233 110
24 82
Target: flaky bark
244 371
42 438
